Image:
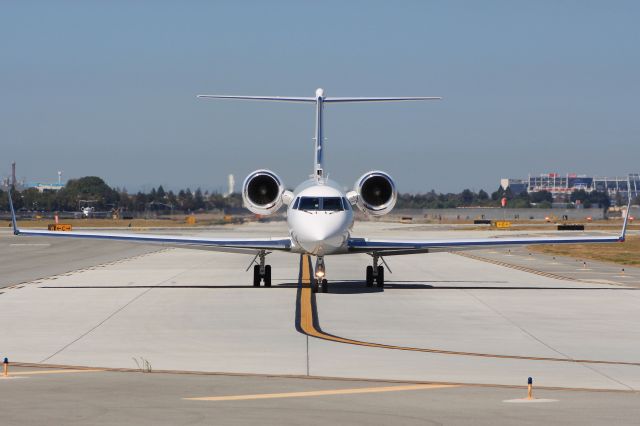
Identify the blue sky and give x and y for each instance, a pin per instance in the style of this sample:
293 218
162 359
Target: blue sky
108 89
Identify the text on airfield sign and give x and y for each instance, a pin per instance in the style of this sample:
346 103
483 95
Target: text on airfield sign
59 227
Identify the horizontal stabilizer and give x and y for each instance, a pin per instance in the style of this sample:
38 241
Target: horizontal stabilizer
392 99
261 98
324 99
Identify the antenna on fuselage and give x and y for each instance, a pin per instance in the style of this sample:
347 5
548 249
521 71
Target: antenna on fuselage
320 100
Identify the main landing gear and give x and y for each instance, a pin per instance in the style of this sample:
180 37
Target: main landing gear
375 273
261 272
319 283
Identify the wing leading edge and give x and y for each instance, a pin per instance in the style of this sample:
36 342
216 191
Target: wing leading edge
241 245
398 247
422 246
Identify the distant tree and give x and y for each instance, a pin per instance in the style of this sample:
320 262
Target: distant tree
16 197
467 196
482 195
87 188
31 198
198 200
160 194
541 196
496 195
601 199
172 199
4 200
579 195
502 193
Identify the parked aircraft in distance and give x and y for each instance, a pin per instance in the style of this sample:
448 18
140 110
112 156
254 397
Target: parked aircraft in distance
320 214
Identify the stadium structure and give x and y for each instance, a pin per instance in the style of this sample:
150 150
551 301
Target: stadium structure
561 186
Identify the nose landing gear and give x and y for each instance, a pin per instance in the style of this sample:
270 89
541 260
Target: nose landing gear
319 283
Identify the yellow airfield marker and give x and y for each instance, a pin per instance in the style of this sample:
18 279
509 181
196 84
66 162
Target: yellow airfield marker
530 398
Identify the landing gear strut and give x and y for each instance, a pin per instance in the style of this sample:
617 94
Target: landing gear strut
319 282
375 273
262 271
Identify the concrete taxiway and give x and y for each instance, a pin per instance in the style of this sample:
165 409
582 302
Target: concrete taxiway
484 319
25 260
55 396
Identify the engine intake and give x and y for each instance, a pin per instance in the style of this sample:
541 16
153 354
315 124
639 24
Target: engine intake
377 194
262 192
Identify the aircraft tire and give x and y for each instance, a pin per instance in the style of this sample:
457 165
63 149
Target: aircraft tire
369 276
256 276
380 277
325 286
267 275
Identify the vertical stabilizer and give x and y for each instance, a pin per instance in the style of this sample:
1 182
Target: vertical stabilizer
318 167
320 99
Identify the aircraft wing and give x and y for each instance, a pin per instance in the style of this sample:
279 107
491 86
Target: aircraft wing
399 247
235 245
389 247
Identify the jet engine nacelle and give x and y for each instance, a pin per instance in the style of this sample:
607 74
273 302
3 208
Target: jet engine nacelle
376 193
263 192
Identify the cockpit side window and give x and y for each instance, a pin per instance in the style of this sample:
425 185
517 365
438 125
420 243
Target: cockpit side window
295 203
333 204
346 203
309 203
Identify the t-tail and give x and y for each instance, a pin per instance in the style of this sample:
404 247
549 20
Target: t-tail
320 99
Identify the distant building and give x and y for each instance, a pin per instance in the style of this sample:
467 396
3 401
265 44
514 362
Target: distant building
560 186
46 187
517 186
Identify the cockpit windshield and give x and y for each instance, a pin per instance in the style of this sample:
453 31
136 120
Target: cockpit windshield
319 203
309 203
333 204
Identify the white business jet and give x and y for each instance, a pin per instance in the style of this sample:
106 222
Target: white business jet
320 215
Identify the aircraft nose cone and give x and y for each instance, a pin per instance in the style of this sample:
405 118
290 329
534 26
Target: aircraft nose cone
321 239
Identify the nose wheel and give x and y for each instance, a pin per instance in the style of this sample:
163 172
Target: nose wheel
319 283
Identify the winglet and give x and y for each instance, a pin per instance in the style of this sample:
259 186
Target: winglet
626 218
16 231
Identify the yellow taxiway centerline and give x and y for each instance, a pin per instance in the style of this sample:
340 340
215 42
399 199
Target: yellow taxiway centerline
307 310
320 393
